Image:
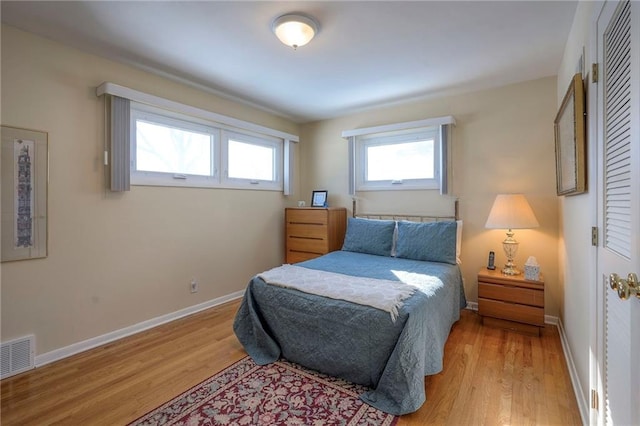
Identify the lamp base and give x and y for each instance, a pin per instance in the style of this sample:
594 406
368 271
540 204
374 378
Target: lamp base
510 247
510 270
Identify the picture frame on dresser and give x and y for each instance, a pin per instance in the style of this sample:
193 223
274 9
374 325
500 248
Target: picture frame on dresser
569 129
319 198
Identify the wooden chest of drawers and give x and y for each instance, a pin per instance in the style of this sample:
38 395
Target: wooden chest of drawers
313 231
511 301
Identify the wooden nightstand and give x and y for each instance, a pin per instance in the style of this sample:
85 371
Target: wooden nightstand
511 301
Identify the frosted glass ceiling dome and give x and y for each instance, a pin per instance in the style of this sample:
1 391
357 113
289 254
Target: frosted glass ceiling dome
294 29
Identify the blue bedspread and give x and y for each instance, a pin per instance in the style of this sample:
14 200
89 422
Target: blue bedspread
358 343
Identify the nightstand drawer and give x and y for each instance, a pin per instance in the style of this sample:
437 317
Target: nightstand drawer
511 311
523 296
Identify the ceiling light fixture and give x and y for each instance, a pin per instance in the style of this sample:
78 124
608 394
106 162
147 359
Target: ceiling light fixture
294 29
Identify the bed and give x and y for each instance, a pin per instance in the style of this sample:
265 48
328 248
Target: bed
389 348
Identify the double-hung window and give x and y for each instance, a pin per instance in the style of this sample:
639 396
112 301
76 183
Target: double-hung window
398 160
172 149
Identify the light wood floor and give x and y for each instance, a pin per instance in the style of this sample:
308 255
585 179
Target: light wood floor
490 377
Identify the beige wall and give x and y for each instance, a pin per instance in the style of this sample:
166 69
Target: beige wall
577 216
503 142
118 259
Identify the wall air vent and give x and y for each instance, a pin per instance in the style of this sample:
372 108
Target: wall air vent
17 356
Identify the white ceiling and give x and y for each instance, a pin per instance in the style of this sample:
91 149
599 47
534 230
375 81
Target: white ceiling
366 54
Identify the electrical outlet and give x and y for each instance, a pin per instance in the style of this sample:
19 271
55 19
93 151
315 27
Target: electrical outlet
194 286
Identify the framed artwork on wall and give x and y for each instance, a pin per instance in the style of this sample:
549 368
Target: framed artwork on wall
569 128
25 176
319 199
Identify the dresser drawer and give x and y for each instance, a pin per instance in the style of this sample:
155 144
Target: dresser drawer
511 311
299 256
523 296
317 231
306 217
310 245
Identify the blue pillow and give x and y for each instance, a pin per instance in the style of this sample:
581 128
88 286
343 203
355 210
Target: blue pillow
370 236
430 241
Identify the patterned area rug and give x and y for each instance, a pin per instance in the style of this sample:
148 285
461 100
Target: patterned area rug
281 393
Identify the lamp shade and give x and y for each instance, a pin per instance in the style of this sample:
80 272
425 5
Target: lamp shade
511 211
294 30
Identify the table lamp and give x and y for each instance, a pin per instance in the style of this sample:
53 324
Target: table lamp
511 211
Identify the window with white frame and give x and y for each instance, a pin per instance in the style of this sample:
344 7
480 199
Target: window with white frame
173 149
251 160
408 155
407 159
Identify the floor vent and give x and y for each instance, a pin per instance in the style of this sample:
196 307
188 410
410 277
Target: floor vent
17 356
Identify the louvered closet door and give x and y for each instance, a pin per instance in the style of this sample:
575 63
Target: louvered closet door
619 195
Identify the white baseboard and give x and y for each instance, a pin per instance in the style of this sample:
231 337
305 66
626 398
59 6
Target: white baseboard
583 404
472 306
85 345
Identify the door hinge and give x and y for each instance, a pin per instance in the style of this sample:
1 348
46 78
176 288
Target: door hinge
594 399
594 236
594 73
